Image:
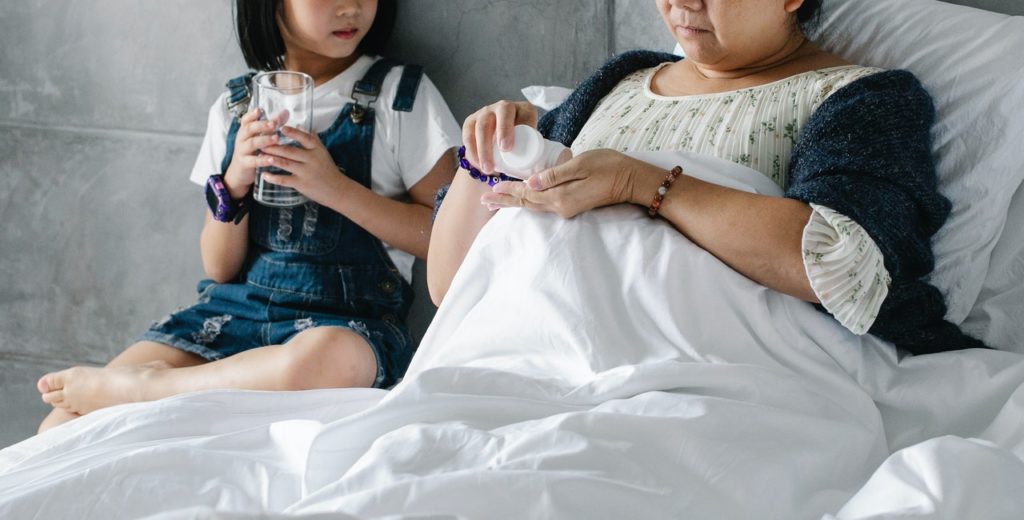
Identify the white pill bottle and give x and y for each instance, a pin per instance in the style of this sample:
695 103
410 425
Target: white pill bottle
530 154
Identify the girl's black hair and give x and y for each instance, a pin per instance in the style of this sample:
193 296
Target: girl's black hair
259 36
808 13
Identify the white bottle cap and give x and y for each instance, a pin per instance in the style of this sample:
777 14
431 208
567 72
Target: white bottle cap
530 154
527 150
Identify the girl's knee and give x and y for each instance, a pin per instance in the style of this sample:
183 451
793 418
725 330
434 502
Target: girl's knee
330 357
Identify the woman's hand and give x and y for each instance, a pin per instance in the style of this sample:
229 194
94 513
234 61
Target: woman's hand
494 121
591 180
312 169
252 136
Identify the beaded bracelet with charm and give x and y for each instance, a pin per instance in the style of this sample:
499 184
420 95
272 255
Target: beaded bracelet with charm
659 196
491 180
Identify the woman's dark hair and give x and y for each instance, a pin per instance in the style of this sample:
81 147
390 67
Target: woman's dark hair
260 39
808 13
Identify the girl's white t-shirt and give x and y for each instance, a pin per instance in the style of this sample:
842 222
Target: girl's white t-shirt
406 145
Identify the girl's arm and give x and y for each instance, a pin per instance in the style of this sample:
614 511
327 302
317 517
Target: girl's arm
224 246
405 225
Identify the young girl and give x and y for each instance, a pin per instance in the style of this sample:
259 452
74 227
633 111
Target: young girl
313 296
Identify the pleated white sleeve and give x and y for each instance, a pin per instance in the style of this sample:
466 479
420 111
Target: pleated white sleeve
845 268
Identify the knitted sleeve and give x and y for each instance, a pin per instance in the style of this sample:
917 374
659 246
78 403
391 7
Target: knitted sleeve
866 153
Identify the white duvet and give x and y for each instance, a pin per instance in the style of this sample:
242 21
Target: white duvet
599 367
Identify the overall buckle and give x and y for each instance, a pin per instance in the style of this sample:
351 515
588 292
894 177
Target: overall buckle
364 94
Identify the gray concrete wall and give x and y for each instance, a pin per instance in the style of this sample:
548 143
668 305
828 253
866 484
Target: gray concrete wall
102 107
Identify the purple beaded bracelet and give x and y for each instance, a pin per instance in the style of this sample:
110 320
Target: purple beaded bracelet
491 180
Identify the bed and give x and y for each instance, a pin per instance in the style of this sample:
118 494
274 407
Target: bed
689 392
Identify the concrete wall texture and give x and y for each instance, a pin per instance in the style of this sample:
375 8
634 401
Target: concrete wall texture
102 108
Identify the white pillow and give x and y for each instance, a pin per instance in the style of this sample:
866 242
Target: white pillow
971 62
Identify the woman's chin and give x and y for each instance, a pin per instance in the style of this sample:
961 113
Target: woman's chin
692 49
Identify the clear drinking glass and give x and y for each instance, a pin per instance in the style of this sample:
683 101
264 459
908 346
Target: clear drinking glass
288 97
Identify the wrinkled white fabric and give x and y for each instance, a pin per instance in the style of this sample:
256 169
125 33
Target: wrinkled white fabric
598 367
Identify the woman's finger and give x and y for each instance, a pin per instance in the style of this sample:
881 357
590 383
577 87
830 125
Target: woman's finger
485 142
516 194
501 200
469 138
567 199
505 122
526 114
561 174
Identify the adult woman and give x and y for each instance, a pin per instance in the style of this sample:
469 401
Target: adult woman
849 144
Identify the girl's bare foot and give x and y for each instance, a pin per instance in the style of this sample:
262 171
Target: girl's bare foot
80 390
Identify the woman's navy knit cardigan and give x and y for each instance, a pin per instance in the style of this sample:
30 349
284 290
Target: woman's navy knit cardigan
866 153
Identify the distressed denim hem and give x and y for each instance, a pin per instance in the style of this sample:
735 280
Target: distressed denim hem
181 344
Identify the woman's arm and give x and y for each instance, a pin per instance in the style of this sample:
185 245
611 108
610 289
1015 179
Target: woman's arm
459 219
757 236
463 213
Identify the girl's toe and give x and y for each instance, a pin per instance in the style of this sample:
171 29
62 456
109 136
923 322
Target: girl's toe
55 398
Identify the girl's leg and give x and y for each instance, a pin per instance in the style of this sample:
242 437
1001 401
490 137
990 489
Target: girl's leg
320 357
143 352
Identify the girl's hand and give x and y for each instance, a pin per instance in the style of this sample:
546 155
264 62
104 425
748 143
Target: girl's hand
312 169
590 180
499 119
252 136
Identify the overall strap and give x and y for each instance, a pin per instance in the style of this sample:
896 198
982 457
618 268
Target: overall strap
367 89
239 94
407 88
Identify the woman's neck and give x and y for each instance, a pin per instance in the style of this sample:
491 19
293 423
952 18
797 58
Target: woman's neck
320 68
797 46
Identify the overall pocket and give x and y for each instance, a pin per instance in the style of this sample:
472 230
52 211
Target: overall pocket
377 292
308 228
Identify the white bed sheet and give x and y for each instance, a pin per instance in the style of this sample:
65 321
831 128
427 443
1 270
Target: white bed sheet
699 394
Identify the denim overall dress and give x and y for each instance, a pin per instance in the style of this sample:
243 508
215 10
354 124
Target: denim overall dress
308 266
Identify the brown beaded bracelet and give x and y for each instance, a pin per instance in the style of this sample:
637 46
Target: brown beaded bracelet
663 189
